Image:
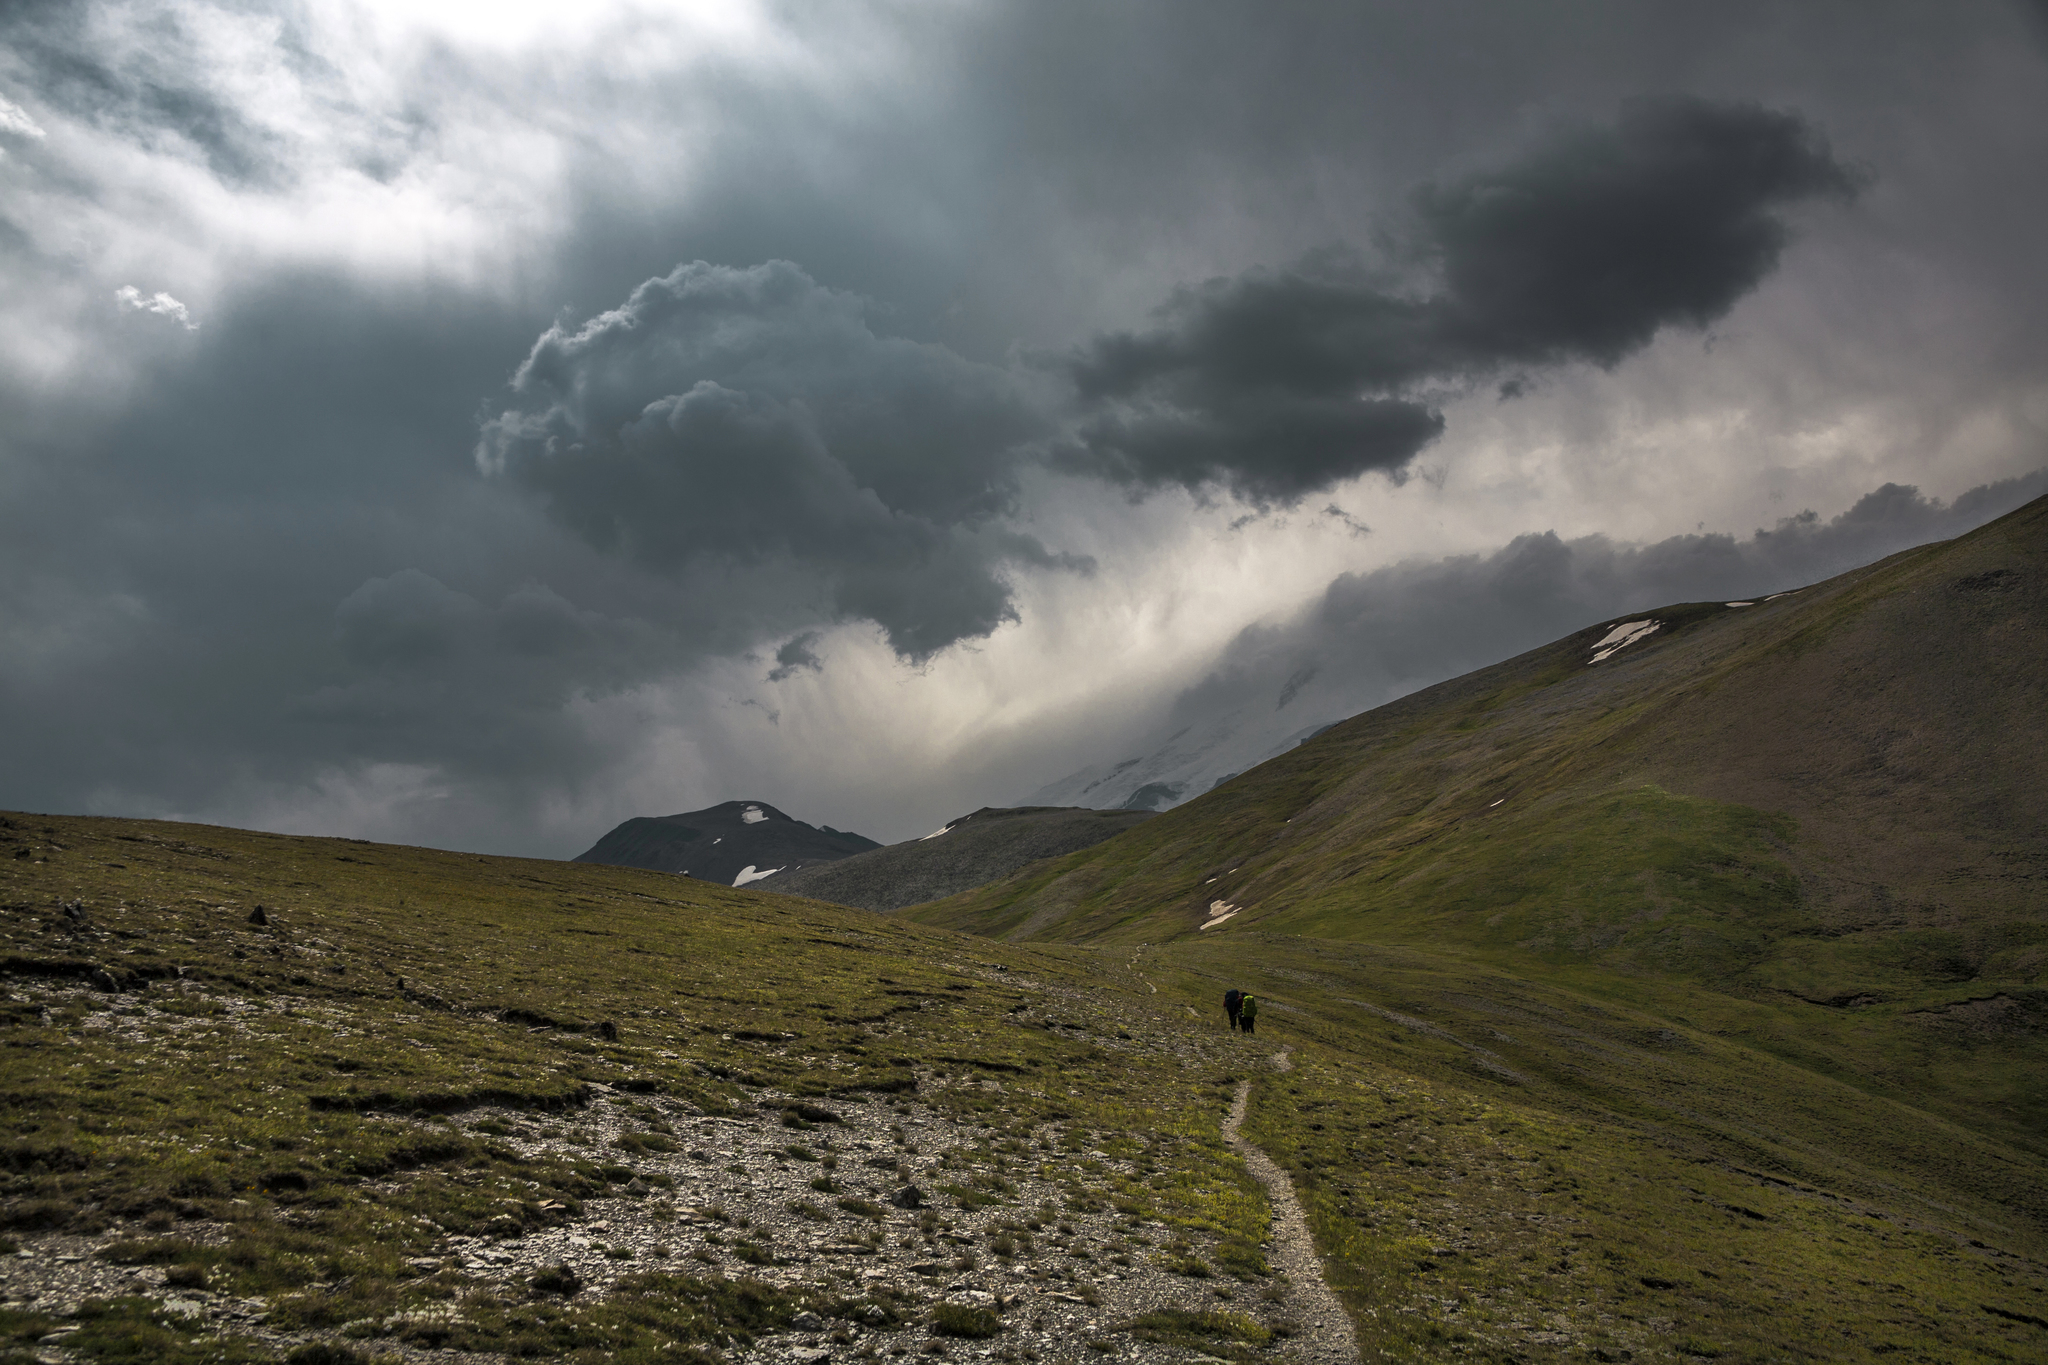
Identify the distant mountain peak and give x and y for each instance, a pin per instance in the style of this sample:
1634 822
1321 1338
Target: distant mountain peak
734 842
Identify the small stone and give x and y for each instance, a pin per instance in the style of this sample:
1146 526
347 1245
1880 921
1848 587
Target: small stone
909 1197
807 1321
810 1355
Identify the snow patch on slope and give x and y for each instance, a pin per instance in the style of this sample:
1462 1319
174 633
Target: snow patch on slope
1622 636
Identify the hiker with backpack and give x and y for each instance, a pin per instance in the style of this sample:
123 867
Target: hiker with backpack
1247 1012
1231 1006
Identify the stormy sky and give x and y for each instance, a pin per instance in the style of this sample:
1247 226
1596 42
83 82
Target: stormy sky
472 425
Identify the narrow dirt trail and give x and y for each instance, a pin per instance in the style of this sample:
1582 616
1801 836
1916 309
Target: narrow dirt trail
1326 1337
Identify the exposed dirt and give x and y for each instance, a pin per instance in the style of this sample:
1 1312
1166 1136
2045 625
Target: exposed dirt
1324 1334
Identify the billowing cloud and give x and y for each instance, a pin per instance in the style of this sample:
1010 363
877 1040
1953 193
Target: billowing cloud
1280 383
729 416
723 418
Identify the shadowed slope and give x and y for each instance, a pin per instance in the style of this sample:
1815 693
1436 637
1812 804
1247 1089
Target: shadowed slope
969 852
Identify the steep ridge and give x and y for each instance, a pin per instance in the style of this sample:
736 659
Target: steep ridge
968 852
1858 756
733 843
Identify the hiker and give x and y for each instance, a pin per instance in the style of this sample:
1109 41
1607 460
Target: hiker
1247 1011
1230 1005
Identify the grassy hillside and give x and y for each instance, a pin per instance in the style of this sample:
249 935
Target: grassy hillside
1766 887
1885 728
526 1110
972 851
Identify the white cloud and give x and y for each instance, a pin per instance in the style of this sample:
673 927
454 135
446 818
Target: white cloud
160 303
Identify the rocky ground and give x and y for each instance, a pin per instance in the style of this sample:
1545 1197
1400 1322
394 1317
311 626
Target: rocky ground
885 1203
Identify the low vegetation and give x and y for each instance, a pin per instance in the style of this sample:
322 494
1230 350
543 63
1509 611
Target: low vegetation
323 1078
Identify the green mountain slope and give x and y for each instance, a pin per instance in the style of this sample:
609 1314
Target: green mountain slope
1884 730
972 851
1766 886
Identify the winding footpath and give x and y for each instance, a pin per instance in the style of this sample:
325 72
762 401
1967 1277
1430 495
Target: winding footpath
1325 1337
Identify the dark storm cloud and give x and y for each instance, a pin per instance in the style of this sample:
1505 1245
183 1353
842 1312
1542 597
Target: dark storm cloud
729 417
733 417
425 668
273 562
1374 636
1279 383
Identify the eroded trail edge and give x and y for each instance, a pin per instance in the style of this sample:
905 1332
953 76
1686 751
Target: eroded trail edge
1325 1334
